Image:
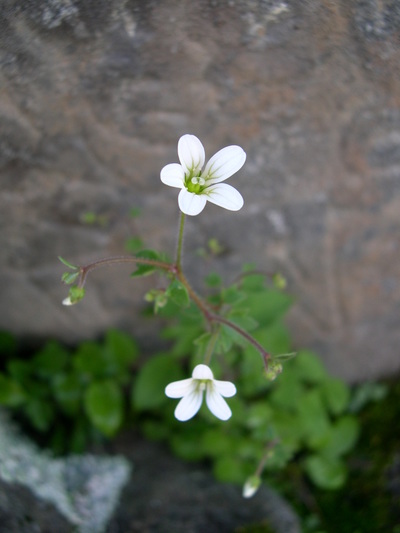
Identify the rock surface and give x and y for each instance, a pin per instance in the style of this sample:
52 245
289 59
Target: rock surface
165 495
94 96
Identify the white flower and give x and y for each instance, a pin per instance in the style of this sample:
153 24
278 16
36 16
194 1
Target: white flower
197 185
191 391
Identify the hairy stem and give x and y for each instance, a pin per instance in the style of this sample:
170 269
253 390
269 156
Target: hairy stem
84 270
180 242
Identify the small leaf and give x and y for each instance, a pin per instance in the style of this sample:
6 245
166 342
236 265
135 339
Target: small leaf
134 212
11 392
68 392
50 360
120 350
104 406
40 413
67 264
283 357
336 394
341 437
309 367
69 277
279 281
133 245
326 473
88 360
154 376
143 269
178 293
213 280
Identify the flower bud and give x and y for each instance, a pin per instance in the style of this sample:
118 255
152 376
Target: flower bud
75 295
274 368
251 486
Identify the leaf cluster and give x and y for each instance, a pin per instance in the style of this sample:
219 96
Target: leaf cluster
303 415
69 398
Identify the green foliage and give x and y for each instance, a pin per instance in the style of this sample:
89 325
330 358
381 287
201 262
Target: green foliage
304 414
69 397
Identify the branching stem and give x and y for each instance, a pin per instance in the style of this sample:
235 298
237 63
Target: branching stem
209 314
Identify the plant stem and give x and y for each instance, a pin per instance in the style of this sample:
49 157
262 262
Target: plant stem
210 348
180 242
222 320
212 317
84 270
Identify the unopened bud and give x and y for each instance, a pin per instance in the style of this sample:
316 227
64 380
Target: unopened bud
273 370
279 281
251 486
75 295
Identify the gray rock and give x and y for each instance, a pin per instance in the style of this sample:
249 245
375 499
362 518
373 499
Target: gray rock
78 492
94 96
166 495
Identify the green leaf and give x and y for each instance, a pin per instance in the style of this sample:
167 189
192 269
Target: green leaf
66 263
229 469
213 280
19 370
134 212
154 376
309 367
11 392
133 245
365 393
341 437
50 360
178 293
215 443
104 406
40 413
89 361
252 282
119 352
69 277
313 416
225 339
232 295
146 270
326 473
8 344
68 392
258 414
336 394
187 447
284 357
267 305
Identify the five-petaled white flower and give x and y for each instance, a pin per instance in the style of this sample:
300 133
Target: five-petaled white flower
191 391
197 185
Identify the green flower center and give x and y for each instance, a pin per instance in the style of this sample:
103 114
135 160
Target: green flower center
195 184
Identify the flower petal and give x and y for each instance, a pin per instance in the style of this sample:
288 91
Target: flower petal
217 404
191 153
224 164
173 175
190 203
225 196
225 388
178 389
189 405
202 372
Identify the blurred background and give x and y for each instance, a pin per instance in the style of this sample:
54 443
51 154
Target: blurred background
94 96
